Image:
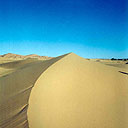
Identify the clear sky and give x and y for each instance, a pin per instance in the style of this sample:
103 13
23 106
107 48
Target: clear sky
89 28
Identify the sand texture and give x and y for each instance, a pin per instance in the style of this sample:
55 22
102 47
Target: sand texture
16 81
63 92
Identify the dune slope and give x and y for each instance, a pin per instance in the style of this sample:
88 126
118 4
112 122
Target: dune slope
77 93
16 81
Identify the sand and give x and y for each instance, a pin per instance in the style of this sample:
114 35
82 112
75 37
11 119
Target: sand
16 81
64 92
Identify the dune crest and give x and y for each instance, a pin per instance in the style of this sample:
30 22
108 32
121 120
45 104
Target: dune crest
16 56
77 93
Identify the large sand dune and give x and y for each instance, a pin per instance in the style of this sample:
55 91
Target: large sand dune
77 93
63 92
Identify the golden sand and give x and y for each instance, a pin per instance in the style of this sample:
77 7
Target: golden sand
63 92
77 93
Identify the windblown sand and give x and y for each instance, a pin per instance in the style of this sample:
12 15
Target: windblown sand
63 92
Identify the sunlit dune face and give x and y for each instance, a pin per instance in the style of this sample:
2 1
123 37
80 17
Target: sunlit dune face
77 93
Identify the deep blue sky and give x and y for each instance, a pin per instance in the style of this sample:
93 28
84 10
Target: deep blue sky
90 28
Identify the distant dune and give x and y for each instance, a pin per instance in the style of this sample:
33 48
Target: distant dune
63 92
10 55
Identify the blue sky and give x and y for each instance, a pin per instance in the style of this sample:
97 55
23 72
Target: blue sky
89 28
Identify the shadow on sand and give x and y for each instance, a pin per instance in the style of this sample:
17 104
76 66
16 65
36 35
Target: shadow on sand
123 72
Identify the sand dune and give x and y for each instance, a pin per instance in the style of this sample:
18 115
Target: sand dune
16 56
77 93
15 88
63 92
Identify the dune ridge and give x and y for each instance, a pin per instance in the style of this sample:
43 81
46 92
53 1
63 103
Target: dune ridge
16 56
77 93
15 88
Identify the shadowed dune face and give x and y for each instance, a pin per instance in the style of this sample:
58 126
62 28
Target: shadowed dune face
77 93
17 64
15 88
